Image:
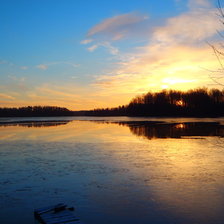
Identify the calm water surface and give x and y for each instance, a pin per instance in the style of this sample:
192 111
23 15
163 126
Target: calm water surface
113 170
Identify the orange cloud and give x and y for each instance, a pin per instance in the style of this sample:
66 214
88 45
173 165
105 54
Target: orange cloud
191 27
176 56
176 67
6 96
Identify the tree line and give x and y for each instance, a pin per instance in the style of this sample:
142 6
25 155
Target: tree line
173 103
198 102
35 111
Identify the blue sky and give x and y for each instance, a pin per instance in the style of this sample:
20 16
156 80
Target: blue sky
79 54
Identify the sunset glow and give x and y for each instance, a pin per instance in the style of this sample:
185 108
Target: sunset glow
78 55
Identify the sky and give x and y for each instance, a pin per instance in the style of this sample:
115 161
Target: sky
86 54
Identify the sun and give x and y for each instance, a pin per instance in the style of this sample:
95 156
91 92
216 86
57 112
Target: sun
180 126
179 103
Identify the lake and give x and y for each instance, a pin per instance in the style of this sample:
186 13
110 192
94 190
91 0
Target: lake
113 169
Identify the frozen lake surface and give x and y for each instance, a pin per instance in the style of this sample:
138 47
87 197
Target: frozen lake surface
113 170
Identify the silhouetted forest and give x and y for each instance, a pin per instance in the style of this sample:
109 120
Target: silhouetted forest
172 103
199 102
36 111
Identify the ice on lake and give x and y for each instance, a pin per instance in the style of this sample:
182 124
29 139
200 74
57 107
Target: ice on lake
113 170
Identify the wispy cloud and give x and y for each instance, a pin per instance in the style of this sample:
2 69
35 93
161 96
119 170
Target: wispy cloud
45 66
13 65
86 41
24 67
42 66
3 62
117 26
6 96
18 84
69 95
113 29
75 65
112 50
189 28
195 4
92 48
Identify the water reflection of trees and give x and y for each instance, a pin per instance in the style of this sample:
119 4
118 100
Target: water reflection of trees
152 130
37 124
